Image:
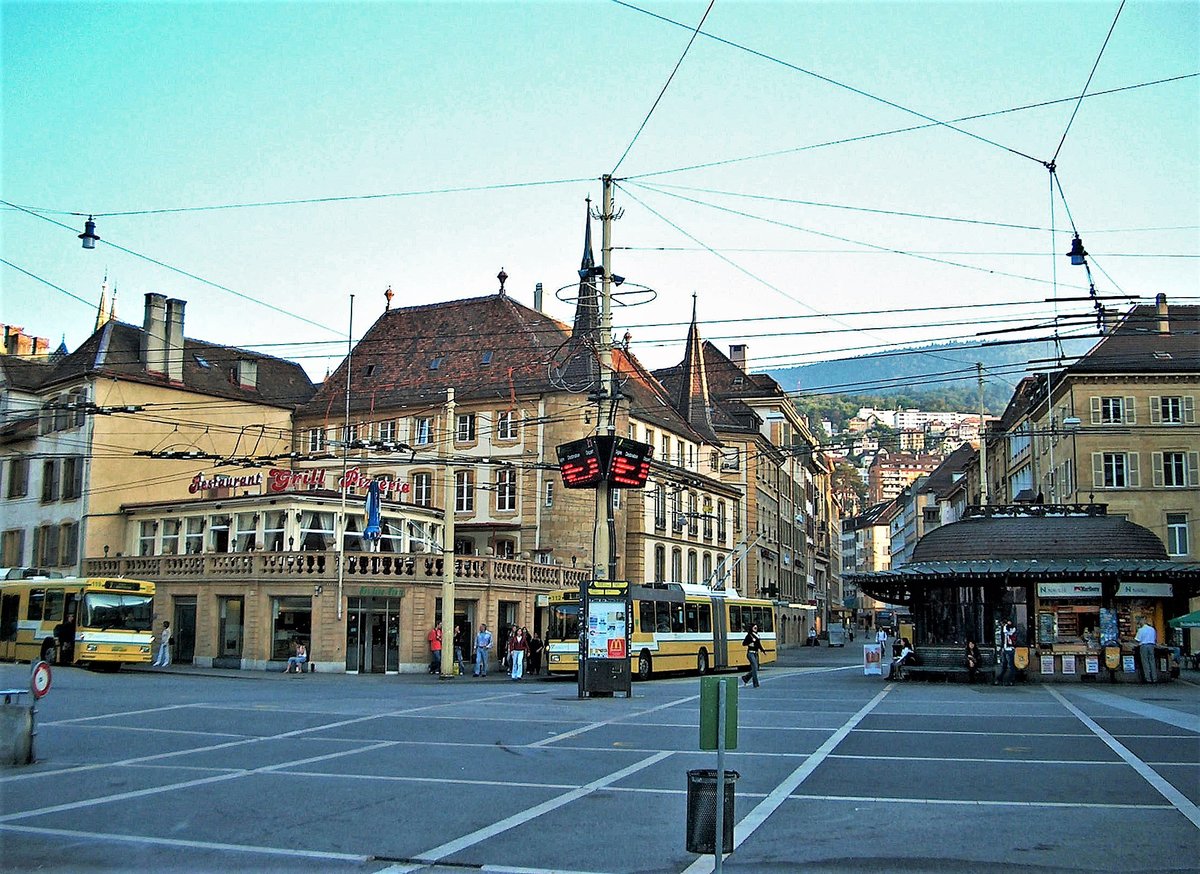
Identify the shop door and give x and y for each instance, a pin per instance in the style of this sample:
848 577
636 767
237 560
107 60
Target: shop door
184 626
230 632
373 636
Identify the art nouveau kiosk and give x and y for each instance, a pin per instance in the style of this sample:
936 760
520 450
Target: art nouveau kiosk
1077 582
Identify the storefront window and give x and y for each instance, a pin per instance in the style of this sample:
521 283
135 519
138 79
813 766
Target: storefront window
170 537
352 539
418 537
316 531
391 535
292 624
193 540
273 530
146 535
218 532
246 539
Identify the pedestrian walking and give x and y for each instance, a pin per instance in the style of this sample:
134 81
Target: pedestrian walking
754 646
483 643
1147 640
881 638
163 659
535 654
435 648
517 648
1008 646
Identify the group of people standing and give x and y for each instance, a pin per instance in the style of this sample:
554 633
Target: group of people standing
522 651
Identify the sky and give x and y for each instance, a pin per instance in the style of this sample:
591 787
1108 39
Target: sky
803 174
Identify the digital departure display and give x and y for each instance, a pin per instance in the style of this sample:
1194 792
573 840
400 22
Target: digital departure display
579 463
584 464
630 464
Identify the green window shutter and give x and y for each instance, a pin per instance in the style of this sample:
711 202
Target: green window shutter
1189 410
1097 469
1095 410
1155 410
1193 469
1129 412
1133 478
1156 460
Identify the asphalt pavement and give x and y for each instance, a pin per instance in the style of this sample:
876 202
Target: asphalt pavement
197 770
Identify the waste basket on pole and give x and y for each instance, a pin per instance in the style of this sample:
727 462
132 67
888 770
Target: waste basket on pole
702 811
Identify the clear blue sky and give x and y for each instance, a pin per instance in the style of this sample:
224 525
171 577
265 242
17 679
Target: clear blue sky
128 107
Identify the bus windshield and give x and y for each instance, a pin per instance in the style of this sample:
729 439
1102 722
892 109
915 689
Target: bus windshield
105 610
564 622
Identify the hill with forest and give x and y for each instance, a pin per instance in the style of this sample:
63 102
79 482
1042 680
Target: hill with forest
936 378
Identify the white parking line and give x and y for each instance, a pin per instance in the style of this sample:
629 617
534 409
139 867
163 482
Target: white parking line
1180 801
475 837
183 844
770 804
594 725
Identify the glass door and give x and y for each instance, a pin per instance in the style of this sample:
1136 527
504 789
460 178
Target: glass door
230 632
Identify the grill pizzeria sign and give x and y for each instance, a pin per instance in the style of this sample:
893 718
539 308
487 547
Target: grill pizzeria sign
277 480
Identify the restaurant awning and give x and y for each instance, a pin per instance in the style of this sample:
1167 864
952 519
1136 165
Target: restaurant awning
1189 620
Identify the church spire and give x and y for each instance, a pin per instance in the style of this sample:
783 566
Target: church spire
102 315
693 402
587 305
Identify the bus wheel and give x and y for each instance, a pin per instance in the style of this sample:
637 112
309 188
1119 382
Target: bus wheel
644 666
49 652
702 663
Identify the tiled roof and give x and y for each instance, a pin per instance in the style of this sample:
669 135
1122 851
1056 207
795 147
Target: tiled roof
1137 345
26 372
115 350
946 477
482 347
978 538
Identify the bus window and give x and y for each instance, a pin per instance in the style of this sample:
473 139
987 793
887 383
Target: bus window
693 617
758 612
705 618
768 623
54 606
678 626
107 610
564 622
646 616
662 615
36 598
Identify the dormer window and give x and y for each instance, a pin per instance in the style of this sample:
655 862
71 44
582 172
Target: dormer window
202 361
435 363
738 381
487 357
370 369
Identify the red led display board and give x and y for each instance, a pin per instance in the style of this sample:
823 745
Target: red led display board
579 464
584 464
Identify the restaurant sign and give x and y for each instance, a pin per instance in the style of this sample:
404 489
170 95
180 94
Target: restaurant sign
1068 590
278 480
1144 590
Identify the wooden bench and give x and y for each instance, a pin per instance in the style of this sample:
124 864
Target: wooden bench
948 662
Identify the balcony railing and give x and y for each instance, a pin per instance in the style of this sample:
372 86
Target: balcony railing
323 566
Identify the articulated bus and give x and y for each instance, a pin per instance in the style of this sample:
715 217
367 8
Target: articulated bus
675 627
76 621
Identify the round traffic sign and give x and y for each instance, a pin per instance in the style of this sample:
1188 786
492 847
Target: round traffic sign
40 684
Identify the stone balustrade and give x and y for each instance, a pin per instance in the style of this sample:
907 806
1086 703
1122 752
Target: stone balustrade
311 566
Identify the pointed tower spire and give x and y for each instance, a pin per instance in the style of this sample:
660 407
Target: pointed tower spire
587 306
112 306
693 401
101 311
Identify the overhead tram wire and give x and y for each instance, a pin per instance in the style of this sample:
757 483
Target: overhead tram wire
72 295
666 85
936 122
182 272
894 251
464 189
901 130
1087 84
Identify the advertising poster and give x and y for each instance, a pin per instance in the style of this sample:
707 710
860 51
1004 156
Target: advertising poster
1047 664
606 629
1109 631
1092 664
872 656
1068 663
1127 665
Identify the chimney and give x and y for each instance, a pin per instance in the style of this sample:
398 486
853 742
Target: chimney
154 334
247 373
737 354
1164 321
537 297
174 345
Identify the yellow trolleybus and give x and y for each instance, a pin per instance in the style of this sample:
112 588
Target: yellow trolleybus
76 621
675 627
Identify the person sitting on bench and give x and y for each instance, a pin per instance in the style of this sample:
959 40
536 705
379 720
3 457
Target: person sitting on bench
895 672
297 660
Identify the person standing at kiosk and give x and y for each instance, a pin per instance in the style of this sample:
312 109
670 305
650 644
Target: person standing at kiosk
1147 639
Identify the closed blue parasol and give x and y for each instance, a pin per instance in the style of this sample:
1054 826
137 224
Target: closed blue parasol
372 531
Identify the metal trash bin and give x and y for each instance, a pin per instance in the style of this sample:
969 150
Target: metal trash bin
702 810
